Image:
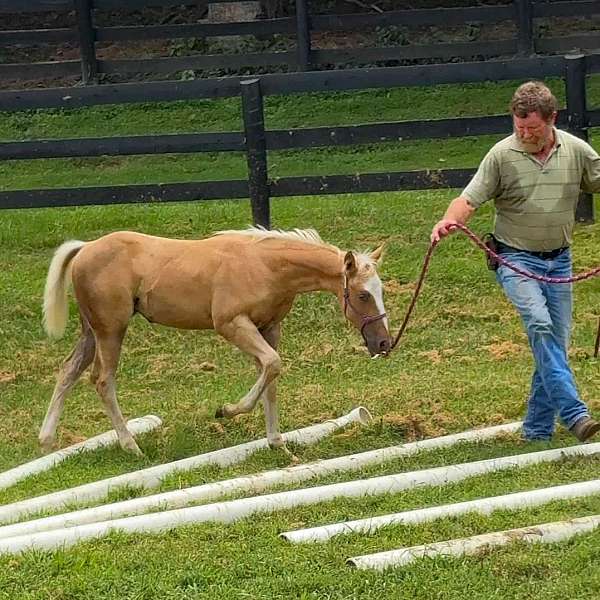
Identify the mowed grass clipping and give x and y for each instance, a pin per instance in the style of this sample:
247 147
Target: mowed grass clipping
463 363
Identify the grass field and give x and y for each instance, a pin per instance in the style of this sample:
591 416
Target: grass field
463 363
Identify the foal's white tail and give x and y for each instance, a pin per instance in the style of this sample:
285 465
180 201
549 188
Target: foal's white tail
56 308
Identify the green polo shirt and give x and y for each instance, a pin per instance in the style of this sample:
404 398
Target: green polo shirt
535 203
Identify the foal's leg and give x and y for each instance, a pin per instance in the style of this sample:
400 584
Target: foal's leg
70 372
244 334
269 398
95 370
106 361
272 335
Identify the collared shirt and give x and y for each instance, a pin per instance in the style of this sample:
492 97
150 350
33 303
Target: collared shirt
535 202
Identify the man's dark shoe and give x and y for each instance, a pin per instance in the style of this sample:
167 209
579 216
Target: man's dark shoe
585 428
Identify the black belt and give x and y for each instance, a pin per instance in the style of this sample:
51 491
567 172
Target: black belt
549 255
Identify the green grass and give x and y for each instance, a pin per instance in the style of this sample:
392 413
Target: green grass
463 363
305 110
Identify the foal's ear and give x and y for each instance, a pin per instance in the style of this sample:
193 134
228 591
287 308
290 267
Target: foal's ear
349 263
377 254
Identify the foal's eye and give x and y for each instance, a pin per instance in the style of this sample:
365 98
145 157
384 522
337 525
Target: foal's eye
364 296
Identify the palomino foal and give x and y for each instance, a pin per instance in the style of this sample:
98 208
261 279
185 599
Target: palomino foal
239 283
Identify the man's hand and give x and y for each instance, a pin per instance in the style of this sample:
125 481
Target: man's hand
442 229
458 213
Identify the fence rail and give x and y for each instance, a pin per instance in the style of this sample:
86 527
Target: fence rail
19 6
157 32
123 146
303 57
283 139
285 83
235 189
256 141
414 17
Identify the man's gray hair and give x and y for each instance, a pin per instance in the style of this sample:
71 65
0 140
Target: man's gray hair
533 96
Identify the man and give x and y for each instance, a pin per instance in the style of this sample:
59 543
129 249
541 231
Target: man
534 177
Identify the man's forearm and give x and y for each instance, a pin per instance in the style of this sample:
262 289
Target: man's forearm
459 210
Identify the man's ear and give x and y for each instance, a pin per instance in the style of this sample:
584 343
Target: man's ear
349 263
377 254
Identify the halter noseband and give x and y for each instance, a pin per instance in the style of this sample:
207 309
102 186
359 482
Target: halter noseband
364 319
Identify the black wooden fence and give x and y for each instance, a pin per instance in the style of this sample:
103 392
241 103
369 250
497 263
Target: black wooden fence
523 13
256 142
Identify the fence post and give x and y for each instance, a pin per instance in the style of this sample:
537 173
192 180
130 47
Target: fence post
256 151
525 40
87 40
302 36
578 122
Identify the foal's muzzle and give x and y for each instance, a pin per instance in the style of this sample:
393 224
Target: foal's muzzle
378 346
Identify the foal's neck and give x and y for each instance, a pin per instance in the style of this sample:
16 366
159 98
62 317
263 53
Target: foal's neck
314 268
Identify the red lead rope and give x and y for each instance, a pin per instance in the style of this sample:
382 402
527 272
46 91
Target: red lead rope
478 242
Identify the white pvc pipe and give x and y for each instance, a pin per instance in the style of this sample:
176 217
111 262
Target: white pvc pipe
234 510
135 426
547 533
151 477
483 506
212 491
251 483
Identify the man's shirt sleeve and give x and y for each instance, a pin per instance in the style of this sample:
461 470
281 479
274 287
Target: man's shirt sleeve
590 181
485 182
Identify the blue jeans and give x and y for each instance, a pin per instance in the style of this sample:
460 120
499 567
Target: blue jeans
545 309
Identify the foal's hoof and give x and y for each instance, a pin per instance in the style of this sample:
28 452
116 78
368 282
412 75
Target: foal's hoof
294 460
46 446
226 411
276 443
131 446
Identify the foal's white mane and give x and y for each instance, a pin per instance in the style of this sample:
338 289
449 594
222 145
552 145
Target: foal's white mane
310 236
